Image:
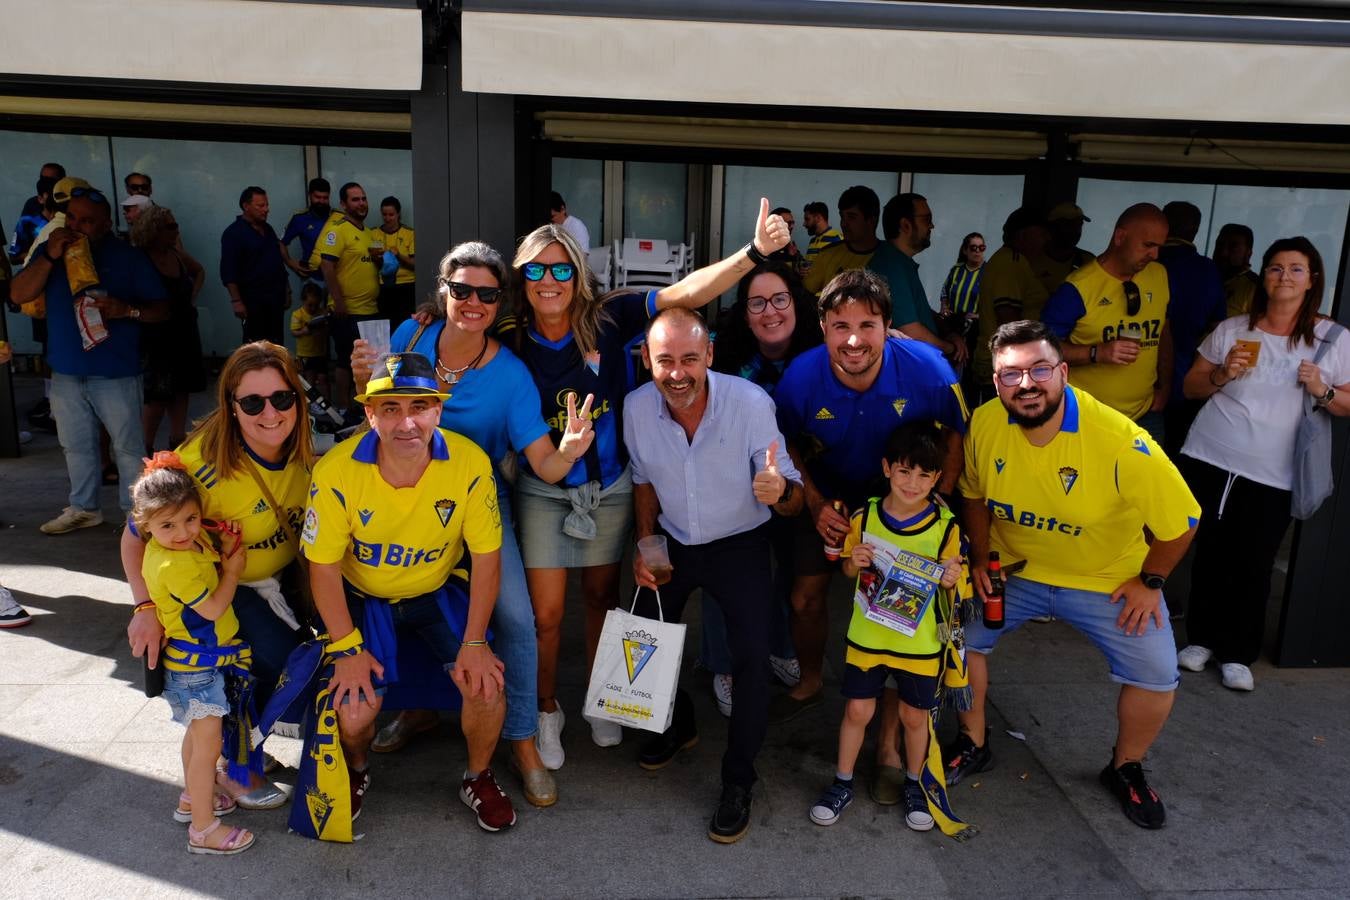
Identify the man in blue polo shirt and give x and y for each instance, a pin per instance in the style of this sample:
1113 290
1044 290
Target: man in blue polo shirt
306 226
100 384
253 270
837 404
707 468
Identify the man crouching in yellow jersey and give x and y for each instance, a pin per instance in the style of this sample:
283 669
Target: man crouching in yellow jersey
1059 479
389 520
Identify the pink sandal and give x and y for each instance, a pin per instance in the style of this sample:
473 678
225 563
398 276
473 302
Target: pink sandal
234 841
224 805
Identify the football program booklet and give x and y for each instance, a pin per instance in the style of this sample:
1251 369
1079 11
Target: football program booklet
899 586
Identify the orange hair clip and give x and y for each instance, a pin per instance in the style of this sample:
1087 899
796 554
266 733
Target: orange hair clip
164 459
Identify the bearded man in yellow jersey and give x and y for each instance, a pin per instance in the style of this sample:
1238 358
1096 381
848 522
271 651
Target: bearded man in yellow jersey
859 211
391 517
1065 484
349 258
1111 315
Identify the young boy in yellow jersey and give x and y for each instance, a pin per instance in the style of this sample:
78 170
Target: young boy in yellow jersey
898 641
309 324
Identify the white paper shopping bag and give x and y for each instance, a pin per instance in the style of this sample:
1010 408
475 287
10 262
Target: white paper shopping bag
636 671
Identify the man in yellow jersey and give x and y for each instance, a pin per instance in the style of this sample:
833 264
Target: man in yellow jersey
1060 481
390 518
350 255
1233 255
1112 315
1009 290
859 210
816 221
1062 255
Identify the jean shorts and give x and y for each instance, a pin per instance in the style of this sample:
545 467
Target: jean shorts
1147 660
541 509
196 695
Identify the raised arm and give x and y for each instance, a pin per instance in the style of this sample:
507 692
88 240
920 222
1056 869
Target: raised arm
706 284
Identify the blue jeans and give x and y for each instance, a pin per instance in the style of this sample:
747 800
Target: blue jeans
79 405
270 639
513 633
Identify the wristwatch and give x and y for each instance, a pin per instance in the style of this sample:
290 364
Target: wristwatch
133 313
788 488
1152 581
1325 399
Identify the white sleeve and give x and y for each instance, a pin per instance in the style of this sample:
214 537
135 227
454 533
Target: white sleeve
1215 347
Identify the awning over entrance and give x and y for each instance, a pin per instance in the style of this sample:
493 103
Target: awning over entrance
341 46
1045 63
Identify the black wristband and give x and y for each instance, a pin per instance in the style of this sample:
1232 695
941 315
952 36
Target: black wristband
755 256
1092 353
789 487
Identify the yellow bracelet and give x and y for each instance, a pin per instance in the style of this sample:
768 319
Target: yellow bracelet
475 643
352 640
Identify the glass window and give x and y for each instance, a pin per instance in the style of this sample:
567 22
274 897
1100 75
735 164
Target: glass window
581 182
654 201
24 153
200 181
1274 212
962 204
793 188
382 172
1103 201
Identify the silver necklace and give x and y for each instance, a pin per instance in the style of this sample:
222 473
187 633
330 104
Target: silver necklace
452 376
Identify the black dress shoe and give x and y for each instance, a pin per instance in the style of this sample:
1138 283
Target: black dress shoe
732 819
657 751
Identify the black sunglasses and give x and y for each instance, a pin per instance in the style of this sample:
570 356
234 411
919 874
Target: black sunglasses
253 404
461 291
1132 298
535 271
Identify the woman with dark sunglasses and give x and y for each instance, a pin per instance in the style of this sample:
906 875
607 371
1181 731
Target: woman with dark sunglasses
251 452
493 402
577 341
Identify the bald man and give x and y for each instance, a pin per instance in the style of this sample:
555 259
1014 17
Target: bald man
1111 316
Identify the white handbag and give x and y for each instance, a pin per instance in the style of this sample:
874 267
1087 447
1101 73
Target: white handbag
637 670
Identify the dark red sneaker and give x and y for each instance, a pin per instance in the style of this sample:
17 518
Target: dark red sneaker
489 801
359 783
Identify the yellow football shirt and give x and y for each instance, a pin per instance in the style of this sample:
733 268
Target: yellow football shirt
1090 308
357 252
1076 508
393 542
405 242
237 499
308 345
177 581
831 261
1007 279
1239 291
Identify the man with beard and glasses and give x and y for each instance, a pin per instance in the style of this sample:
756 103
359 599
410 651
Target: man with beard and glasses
907 225
305 226
1112 315
1066 485
837 405
708 468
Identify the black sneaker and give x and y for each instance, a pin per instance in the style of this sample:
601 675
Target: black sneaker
964 758
917 816
658 750
1138 801
732 819
359 782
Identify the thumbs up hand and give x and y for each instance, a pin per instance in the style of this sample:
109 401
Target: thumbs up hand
771 232
769 484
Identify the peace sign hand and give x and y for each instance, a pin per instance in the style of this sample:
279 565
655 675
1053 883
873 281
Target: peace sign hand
769 485
771 232
578 434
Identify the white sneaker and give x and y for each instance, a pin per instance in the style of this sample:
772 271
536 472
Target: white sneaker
549 739
1237 677
1193 657
786 669
12 615
605 733
25 437
73 519
722 691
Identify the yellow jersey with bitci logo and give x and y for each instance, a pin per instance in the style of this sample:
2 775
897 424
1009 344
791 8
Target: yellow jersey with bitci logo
1090 307
1076 508
393 542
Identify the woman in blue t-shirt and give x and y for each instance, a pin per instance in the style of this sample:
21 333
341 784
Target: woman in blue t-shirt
494 403
575 342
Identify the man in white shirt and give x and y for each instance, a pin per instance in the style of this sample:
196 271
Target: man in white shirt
557 214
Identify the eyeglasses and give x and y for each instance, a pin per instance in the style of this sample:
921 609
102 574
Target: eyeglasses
1132 298
780 300
976 248
252 404
93 194
138 188
1292 271
461 291
1013 377
534 271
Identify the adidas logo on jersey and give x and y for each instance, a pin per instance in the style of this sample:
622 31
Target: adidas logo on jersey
824 415
261 507
1104 302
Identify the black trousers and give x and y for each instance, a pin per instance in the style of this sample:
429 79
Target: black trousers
1234 559
1177 420
264 322
736 570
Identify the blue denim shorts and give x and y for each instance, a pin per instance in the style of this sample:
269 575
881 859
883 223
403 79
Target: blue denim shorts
1147 660
542 508
196 695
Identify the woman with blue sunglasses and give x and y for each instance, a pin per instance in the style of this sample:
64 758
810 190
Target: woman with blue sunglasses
577 342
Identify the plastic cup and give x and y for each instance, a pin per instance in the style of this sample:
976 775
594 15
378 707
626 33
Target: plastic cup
375 332
656 555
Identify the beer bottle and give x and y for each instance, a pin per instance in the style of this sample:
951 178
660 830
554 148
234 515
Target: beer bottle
993 600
